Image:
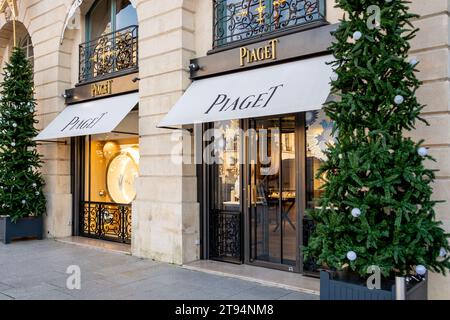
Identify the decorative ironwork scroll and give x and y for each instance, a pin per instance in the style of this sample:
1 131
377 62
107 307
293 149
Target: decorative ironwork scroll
225 237
236 20
111 53
108 221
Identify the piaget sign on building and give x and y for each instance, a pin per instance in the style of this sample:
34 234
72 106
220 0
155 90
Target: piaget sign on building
102 88
267 52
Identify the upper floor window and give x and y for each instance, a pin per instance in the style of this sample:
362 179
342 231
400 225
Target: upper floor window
112 40
27 47
236 20
108 16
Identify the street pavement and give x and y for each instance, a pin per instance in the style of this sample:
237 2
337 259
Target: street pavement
31 270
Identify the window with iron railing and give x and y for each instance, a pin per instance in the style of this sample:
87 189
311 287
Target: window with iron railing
112 40
110 54
238 20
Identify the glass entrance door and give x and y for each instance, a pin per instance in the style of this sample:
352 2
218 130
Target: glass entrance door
225 212
272 192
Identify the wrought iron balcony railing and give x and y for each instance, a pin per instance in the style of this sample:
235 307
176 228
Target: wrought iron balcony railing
237 20
108 221
110 54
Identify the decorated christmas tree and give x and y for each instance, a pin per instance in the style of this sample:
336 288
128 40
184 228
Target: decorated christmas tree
20 180
377 207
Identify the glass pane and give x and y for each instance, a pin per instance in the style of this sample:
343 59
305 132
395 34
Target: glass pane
100 19
227 169
319 131
289 201
126 14
266 213
112 168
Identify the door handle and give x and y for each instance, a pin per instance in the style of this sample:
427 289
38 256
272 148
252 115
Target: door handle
254 195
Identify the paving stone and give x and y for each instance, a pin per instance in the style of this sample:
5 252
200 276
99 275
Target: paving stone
5 297
37 270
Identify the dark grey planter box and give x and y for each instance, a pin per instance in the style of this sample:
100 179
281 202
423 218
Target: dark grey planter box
332 288
31 227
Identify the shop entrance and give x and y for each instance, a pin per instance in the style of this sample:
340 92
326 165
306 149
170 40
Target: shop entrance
259 186
254 211
274 184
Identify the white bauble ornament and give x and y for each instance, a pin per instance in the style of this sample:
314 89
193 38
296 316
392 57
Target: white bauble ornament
442 253
341 156
399 99
34 185
14 125
357 35
334 76
422 151
356 212
413 62
309 117
24 201
38 193
421 270
13 144
351 255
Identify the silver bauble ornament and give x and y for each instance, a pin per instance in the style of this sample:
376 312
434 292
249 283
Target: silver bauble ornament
351 255
356 212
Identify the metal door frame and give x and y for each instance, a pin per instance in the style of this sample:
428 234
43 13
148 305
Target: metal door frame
205 191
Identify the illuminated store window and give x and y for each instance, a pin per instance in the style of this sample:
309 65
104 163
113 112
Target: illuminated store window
227 168
319 134
113 168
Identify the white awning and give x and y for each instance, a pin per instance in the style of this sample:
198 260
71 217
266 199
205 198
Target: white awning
88 118
281 89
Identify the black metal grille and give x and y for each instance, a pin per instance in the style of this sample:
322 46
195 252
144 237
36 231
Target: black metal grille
107 221
225 237
116 52
236 20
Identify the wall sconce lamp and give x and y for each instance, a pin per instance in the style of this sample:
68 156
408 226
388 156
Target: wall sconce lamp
66 95
193 67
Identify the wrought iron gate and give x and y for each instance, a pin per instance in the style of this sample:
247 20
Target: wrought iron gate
226 236
107 221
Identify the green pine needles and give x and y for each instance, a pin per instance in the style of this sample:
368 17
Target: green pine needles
21 183
377 207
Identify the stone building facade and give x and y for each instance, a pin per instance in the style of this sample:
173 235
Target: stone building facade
166 219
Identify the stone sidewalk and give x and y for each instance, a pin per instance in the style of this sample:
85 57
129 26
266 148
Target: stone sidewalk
37 270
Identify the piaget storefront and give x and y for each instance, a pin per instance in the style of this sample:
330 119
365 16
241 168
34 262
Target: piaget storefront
257 110
101 118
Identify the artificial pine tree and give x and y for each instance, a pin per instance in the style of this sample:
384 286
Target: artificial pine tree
20 181
377 207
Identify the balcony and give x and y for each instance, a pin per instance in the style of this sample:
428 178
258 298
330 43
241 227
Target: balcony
110 55
238 20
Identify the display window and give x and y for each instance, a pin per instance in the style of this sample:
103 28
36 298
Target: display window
113 168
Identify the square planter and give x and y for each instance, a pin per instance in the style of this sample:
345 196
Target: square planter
333 287
31 227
